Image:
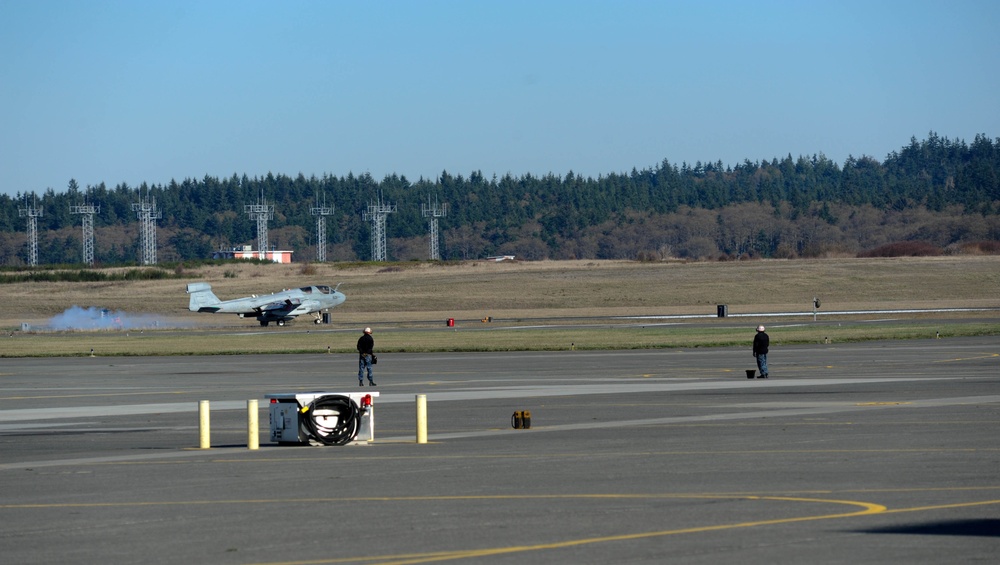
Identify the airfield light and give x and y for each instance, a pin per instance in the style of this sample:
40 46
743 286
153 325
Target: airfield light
366 401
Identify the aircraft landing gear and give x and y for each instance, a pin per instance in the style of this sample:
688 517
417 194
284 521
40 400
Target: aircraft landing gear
263 323
280 322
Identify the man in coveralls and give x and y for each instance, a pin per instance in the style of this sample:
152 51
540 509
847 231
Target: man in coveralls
365 345
760 343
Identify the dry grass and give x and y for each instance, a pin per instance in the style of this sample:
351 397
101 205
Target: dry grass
539 289
404 295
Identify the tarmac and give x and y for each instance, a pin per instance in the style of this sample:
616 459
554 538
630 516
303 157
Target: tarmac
879 452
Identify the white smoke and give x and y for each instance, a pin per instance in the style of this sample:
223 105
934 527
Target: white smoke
93 318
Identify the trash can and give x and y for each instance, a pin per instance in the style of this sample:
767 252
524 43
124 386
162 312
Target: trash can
723 310
326 317
451 322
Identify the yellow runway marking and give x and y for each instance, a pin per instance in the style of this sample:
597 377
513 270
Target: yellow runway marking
410 559
861 508
982 356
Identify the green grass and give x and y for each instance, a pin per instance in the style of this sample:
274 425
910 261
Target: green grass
407 304
621 337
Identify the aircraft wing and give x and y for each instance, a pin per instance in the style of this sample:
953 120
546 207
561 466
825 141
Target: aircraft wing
282 306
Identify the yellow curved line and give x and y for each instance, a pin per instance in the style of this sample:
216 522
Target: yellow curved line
866 508
981 356
411 559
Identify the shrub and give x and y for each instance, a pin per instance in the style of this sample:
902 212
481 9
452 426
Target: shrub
904 249
986 247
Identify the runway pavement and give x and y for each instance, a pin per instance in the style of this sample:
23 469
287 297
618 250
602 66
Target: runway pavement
883 452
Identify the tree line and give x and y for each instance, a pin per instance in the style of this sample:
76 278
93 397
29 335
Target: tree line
940 191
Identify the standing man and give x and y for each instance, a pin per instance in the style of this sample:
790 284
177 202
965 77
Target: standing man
760 343
365 345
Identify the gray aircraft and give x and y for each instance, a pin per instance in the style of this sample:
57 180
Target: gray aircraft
279 307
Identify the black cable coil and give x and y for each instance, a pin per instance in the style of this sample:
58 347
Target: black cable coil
348 419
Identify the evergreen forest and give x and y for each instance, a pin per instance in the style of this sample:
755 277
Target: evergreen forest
934 195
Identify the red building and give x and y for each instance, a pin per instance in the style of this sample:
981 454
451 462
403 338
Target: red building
247 252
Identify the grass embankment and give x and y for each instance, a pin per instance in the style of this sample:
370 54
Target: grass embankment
408 303
109 344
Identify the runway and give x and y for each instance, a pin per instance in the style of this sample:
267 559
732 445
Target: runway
875 452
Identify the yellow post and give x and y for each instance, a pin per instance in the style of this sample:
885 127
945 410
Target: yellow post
204 427
421 418
253 429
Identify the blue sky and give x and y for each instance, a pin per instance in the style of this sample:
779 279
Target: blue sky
149 91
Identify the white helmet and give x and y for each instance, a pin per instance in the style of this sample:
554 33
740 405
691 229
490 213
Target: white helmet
369 330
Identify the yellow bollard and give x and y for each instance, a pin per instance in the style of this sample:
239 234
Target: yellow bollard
421 418
253 429
204 431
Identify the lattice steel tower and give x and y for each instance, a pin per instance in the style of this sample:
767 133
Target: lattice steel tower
434 211
321 211
31 212
376 214
147 213
87 211
261 212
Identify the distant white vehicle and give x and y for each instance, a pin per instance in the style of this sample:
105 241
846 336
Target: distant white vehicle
279 307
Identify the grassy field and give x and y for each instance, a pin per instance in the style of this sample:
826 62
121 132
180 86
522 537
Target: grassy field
586 304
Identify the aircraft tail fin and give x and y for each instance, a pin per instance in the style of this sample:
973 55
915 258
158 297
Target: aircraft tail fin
201 296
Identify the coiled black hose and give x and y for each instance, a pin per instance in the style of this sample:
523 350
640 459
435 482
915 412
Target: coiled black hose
348 419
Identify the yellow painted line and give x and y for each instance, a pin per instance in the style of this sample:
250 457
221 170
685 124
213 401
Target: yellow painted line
457 497
982 356
943 506
865 509
409 559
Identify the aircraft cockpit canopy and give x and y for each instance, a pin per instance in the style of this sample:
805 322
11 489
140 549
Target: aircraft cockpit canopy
321 287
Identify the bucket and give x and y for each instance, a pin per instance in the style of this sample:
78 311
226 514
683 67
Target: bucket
750 373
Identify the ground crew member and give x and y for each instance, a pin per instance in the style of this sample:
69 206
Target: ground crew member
760 343
366 343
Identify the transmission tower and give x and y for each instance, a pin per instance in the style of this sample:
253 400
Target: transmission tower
376 214
31 212
261 212
87 211
434 211
147 213
321 211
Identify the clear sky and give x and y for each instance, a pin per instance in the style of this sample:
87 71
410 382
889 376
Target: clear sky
148 91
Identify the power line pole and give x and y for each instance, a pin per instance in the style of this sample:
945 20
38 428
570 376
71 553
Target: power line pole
321 211
376 214
147 213
434 211
261 212
87 212
32 212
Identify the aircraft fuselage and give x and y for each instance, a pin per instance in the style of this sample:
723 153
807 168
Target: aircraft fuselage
276 307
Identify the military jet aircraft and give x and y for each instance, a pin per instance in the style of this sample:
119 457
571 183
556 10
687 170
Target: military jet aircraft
279 307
